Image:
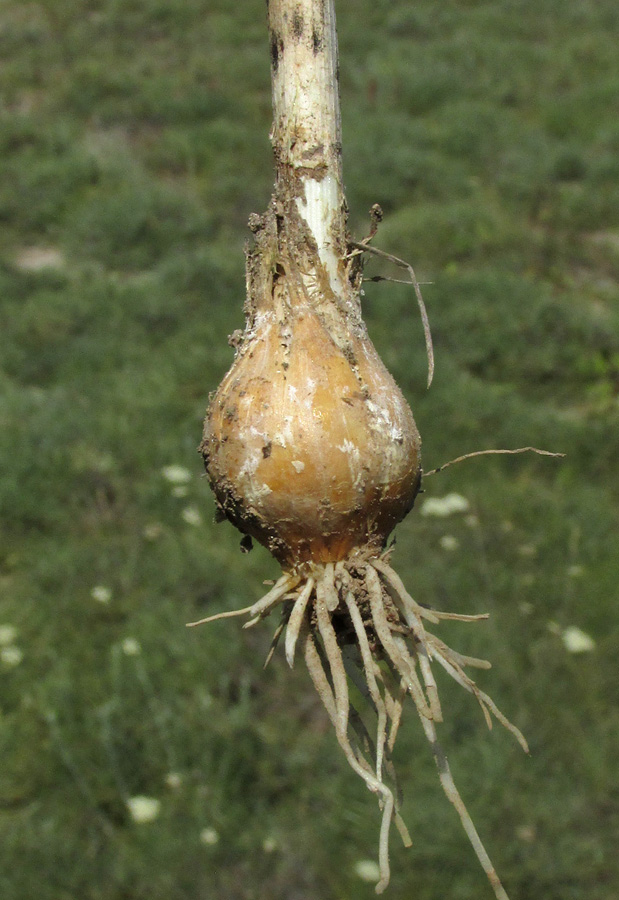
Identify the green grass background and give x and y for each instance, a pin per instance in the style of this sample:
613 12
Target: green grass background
133 147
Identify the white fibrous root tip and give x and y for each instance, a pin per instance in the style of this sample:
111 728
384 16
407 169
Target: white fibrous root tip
366 609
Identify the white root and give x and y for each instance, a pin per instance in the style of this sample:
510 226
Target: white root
430 683
332 651
393 710
426 674
263 607
381 566
428 647
296 620
340 687
384 675
368 666
460 678
416 626
483 699
396 716
460 617
336 706
354 672
275 641
451 792
319 679
403 830
331 598
460 658
402 661
222 615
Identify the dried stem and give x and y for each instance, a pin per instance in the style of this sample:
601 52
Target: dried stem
365 248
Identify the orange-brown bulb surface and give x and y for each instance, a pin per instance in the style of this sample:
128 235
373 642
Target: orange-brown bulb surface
309 444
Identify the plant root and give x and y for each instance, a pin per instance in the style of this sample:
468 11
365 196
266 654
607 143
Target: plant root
459 459
356 621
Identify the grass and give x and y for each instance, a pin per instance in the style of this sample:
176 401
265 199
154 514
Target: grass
134 145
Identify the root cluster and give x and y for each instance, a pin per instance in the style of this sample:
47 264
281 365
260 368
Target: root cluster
355 621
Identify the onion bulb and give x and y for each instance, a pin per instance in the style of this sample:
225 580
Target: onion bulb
309 445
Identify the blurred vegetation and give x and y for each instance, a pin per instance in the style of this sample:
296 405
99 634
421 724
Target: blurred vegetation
134 145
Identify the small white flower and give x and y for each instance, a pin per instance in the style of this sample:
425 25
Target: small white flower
444 506
577 641
209 836
104 462
205 699
101 594
143 809
131 647
526 833
35 259
11 656
180 490
152 531
269 844
191 515
367 870
173 780
176 474
449 542
8 633
575 571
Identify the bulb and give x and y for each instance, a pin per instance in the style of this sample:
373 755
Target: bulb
309 444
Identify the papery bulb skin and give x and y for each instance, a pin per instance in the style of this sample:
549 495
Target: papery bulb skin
309 445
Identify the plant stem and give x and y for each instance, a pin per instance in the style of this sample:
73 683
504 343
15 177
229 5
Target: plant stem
306 124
